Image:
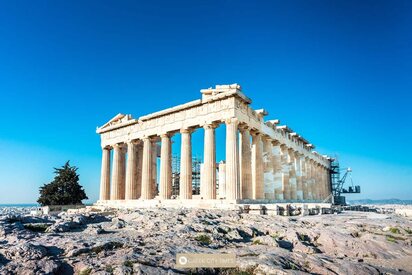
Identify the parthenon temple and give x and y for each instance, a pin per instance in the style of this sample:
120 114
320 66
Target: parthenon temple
265 162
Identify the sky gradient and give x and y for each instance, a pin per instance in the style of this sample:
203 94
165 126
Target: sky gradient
337 72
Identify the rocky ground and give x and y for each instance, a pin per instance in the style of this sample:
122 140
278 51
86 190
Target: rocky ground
146 241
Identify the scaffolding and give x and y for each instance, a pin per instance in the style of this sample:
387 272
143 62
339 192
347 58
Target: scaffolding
337 183
196 161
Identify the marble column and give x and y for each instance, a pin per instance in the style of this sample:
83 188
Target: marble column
307 194
118 175
317 181
154 167
147 169
185 185
257 166
222 179
245 163
166 168
209 163
268 175
105 175
328 181
233 191
312 179
285 172
292 174
299 183
277 170
139 161
131 172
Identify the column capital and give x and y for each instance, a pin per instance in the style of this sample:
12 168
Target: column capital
107 147
298 154
266 137
212 125
134 142
145 138
166 135
254 132
119 145
232 120
186 130
284 147
275 142
243 127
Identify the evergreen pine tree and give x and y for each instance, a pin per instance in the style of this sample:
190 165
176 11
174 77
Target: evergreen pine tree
64 189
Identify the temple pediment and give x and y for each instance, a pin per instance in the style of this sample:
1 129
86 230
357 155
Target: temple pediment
115 122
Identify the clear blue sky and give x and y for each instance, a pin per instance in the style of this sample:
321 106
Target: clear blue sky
338 72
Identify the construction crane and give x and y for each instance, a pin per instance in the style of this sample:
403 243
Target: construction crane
338 183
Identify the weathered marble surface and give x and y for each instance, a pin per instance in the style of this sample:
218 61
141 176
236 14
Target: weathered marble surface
146 242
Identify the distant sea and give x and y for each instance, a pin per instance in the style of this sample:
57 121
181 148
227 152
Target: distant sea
19 205
383 201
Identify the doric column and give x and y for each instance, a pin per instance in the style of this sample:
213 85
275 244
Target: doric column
222 179
285 172
232 160
139 161
185 188
298 169
245 163
317 181
268 176
257 166
154 167
131 172
147 169
307 194
165 168
292 174
328 181
313 180
325 182
209 163
277 169
105 175
118 177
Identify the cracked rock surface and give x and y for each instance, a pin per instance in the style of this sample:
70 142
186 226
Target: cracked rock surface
146 241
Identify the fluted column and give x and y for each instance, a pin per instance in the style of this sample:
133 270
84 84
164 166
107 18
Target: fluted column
317 181
292 174
268 176
325 181
185 188
245 163
139 161
147 169
313 180
307 195
277 170
118 175
257 166
154 167
285 172
298 169
232 160
131 172
105 175
222 179
165 168
328 181
209 163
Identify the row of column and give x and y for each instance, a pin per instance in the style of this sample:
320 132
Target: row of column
261 169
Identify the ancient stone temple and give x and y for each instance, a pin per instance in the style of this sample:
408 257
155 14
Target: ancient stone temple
265 162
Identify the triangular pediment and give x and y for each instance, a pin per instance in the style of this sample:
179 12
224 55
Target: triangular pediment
117 120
